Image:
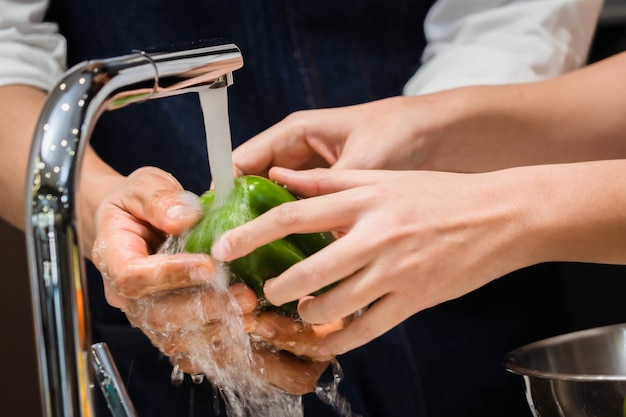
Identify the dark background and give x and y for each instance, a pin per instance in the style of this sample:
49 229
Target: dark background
594 292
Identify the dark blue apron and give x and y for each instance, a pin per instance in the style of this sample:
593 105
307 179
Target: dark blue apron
299 55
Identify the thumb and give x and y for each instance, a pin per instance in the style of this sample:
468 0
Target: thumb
155 197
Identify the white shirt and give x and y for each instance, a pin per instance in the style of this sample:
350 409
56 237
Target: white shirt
470 42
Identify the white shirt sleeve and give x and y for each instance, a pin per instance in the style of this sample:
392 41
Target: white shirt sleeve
33 52
472 42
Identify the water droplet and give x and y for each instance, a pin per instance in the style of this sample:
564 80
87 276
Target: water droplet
178 376
216 401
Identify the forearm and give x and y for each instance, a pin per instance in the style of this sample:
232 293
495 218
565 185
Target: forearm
575 117
579 116
19 110
97 180
569 212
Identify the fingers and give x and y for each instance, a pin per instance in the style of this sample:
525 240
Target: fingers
188 327
139 277
296 337
340 259
340 197
352 294
297 142
378 319
154 196
297 376
303 216
245 298
165 295
174 310
131 226
321 181
200 322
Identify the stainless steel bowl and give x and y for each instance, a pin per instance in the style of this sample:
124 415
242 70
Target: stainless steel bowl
580 374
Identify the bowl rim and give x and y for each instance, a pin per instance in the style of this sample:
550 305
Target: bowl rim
511 364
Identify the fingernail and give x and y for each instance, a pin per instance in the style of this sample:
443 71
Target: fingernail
267 289
249 323
323 350
244 303
221 250
201 274
265 331
188 205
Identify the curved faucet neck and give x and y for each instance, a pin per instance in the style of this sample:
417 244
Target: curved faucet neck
57 274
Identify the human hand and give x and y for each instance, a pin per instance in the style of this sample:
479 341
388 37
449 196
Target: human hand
393 133
163 294
408 240
203 332
292 357
470 129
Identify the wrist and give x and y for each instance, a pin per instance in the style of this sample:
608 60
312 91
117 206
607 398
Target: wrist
570 212
506 209
97 180
471 130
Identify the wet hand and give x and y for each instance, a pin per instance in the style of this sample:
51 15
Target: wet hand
201 330
294 336
131 225
289 352
163 294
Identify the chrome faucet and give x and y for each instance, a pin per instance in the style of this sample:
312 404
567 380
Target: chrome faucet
69 366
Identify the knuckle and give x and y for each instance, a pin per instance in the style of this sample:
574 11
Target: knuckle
153 316
152 178
122 287
162 197
322 310
126 285
310 274
113 299
156 321
288 214
296 127
97 256
296 119
236 238
364 333
148 174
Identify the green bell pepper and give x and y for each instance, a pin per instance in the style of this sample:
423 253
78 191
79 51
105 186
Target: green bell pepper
251 197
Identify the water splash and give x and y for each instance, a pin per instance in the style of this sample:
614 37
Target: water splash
178 376
224 355
219 349
328 392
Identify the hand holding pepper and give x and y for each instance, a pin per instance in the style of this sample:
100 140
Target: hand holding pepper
408 240
251 196
159 291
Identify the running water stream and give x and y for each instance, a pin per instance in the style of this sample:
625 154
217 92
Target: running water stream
226 357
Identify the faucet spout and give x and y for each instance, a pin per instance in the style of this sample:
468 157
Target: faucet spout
58 285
